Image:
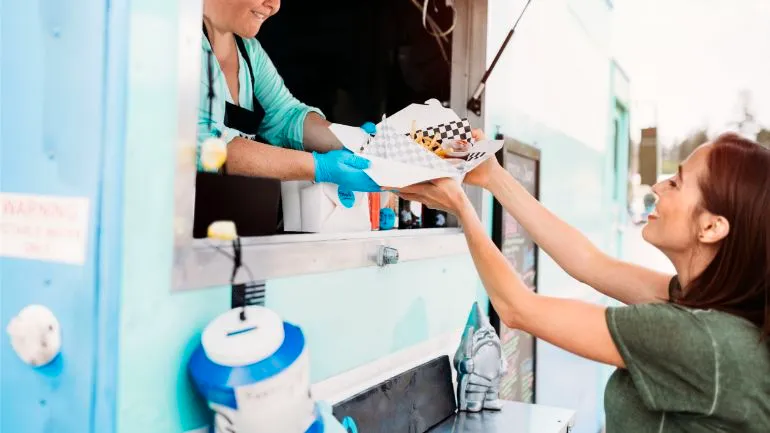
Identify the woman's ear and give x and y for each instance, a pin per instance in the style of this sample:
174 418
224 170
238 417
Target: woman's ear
713 228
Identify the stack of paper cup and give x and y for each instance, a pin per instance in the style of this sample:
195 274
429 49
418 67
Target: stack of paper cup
255 374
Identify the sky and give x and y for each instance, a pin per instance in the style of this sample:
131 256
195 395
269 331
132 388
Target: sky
688 61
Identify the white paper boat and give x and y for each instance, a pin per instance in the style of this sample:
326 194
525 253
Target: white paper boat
398 161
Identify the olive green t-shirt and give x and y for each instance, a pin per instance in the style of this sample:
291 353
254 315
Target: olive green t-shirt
687 371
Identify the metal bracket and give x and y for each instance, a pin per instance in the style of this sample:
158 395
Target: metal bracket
386 256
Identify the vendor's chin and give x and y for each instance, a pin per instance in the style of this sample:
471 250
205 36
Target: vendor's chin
250 31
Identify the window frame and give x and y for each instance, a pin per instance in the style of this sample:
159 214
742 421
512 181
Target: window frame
201 263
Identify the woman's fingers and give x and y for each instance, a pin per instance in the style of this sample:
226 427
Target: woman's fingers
478 134
411 197
408 189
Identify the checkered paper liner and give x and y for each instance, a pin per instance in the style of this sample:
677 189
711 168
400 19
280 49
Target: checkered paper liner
457 130
395 146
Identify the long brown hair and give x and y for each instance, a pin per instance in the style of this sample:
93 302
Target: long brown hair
737 187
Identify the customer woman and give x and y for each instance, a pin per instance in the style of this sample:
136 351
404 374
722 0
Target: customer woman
691 349
269 134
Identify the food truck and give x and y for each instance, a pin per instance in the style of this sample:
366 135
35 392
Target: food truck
98 198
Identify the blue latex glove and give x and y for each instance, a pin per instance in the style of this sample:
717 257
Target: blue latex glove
331 424
370 128
345 169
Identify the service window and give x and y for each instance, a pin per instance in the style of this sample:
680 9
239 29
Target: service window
355 61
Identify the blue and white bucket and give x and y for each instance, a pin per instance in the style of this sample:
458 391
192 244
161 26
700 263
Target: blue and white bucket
255 374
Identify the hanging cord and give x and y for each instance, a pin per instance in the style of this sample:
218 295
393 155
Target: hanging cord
237 263
210 95
434 26
435 30
232 257
237 258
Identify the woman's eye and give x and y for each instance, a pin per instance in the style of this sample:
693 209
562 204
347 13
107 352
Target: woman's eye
672 183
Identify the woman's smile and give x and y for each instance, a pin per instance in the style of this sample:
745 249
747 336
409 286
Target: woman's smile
260 16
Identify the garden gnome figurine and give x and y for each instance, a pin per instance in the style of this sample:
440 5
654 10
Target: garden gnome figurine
480 364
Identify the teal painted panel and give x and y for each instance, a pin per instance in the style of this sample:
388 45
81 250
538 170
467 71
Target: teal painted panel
355 317
390 308
594 17
552 90
52 86
53 115
572 187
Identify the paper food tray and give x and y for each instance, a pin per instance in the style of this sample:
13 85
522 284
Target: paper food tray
398 161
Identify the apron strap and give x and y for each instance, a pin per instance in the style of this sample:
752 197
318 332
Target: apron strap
245 54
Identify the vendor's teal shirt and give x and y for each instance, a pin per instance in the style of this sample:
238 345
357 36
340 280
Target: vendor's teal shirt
284 114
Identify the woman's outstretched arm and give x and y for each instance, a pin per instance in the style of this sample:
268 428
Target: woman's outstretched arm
578 327
572 251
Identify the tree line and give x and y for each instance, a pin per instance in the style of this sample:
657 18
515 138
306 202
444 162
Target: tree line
746 125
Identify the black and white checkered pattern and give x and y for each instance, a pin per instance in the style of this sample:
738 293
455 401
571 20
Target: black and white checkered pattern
389 144
475 155
459 130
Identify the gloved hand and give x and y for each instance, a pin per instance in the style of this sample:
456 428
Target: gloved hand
331 424
345 169
370 128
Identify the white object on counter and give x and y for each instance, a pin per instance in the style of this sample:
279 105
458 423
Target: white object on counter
326 209
292 205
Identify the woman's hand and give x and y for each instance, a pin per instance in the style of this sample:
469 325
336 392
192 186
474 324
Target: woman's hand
478 135
483 174
442 194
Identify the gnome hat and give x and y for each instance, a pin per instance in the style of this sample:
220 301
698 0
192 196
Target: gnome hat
476 320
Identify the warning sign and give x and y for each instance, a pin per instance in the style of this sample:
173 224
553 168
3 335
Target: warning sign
45 228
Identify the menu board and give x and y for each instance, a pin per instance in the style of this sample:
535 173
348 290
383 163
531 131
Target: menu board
518 384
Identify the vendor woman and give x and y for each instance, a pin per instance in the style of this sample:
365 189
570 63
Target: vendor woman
692 350
270 135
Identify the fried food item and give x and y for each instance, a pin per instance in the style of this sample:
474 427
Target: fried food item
456 149
430 143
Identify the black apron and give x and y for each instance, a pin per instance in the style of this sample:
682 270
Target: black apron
252 203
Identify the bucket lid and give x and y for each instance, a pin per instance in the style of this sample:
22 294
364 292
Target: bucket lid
233 342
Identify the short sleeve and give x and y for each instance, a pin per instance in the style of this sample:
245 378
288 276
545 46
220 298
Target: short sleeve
670 354
284 114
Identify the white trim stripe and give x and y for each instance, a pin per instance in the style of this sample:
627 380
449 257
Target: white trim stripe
345 385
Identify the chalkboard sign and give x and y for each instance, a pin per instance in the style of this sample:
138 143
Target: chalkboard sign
523 162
